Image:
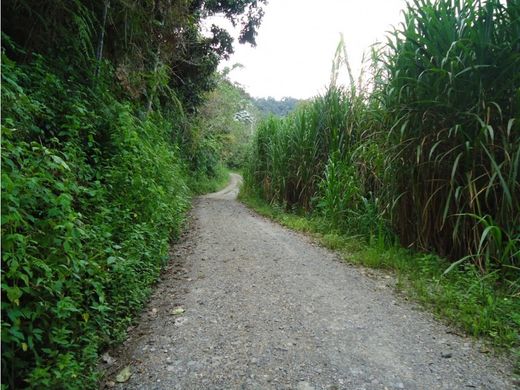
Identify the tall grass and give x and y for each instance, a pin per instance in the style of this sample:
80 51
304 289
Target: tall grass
452 101
432 150
323 159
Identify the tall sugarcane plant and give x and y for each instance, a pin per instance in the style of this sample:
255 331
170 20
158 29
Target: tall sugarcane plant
430 146
452 101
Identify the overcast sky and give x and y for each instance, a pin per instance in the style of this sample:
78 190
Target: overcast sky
298 38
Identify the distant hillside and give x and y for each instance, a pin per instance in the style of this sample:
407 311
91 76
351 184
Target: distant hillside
270 105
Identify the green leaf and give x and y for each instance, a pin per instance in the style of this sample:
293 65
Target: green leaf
13 294
59 160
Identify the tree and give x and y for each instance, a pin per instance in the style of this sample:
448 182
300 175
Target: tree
229 115
139 39
271 106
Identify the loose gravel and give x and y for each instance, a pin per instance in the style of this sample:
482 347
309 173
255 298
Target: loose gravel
248 304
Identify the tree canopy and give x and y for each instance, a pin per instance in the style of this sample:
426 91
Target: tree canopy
141 40
271 106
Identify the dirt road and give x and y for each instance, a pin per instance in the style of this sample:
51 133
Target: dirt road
247 304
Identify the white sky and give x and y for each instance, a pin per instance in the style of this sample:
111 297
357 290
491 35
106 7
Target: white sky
297 41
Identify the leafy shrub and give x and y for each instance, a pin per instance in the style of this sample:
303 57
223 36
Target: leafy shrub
91 197
94 186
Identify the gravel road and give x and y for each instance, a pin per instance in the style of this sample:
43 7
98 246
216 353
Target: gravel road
247 304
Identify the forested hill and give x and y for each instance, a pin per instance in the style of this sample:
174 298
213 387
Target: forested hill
271 106
102 147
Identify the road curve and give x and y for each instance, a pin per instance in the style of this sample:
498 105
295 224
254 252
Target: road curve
231 190
247 304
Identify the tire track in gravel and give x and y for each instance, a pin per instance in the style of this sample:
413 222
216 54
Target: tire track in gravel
266 308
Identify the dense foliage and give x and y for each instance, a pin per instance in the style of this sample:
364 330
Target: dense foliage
453 103
100 146
229 116
427 152
85 225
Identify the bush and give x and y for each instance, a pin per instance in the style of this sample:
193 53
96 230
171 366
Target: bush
91 197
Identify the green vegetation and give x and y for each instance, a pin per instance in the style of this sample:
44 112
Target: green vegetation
85 231
453 112
271 106
229 116
425 154
113 115
102 148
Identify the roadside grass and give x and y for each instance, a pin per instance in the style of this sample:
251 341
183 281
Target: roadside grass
463 297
